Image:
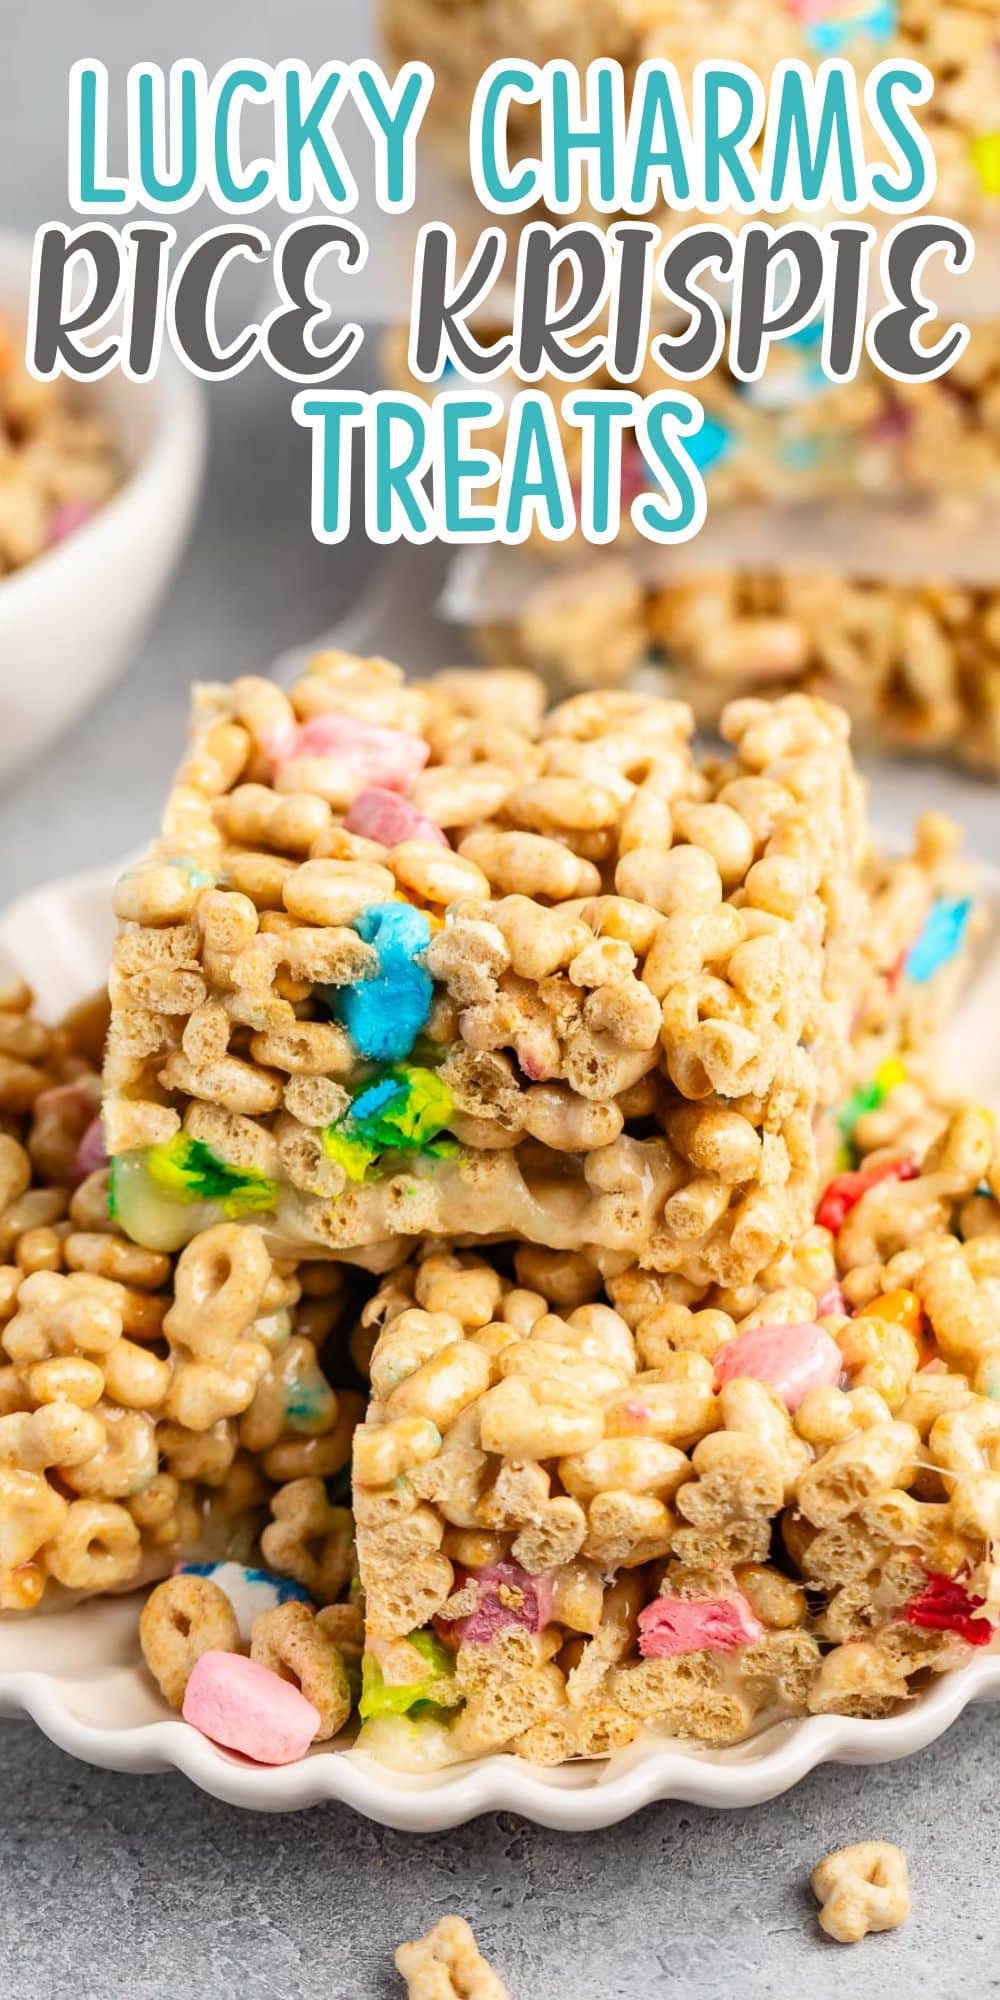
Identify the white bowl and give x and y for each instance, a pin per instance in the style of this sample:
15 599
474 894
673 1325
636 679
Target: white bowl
79 1674
70 620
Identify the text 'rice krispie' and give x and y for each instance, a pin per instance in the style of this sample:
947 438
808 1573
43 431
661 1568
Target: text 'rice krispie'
916 665
588 1509
149 1408
424 959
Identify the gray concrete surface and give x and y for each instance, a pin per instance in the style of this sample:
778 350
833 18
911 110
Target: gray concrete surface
116 1888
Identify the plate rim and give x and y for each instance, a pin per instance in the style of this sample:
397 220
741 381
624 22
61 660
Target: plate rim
561 1800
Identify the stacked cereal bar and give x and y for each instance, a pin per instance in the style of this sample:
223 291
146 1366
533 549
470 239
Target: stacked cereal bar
428 960
956 39
147 1410
586 1508
917 666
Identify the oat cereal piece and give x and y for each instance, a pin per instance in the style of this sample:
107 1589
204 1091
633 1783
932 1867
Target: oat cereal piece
250 1591
863 1888
309 1539
290 1641
448 1965
601 1013
181 1619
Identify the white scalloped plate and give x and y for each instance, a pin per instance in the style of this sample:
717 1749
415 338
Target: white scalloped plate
79 1675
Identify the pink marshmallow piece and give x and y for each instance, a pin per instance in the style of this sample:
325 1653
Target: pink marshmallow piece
675 1625
819 10
507 1596
377 756
67 518
91 1153
789 1359
243 1706
378 814
832 1301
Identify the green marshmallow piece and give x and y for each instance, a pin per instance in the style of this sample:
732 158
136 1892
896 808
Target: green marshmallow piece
188 1170
378 1699
403 1111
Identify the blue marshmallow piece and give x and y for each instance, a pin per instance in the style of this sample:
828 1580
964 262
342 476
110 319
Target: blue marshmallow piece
941 938
384 1015
710 444
250 1591
839 31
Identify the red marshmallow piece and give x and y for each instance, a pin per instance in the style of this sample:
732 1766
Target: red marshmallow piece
944 1605
846 1190
508 1596
243 1706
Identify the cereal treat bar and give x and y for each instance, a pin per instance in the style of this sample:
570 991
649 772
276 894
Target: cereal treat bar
424 960
956 39
147 1410
57 462
917 666
583 1511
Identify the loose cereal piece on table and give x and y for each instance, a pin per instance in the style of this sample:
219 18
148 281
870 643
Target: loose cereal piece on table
862 1888
586 1514
601 1011
448 1965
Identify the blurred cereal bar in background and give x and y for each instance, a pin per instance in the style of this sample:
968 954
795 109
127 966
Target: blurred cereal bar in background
794 435
916 665
956 39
